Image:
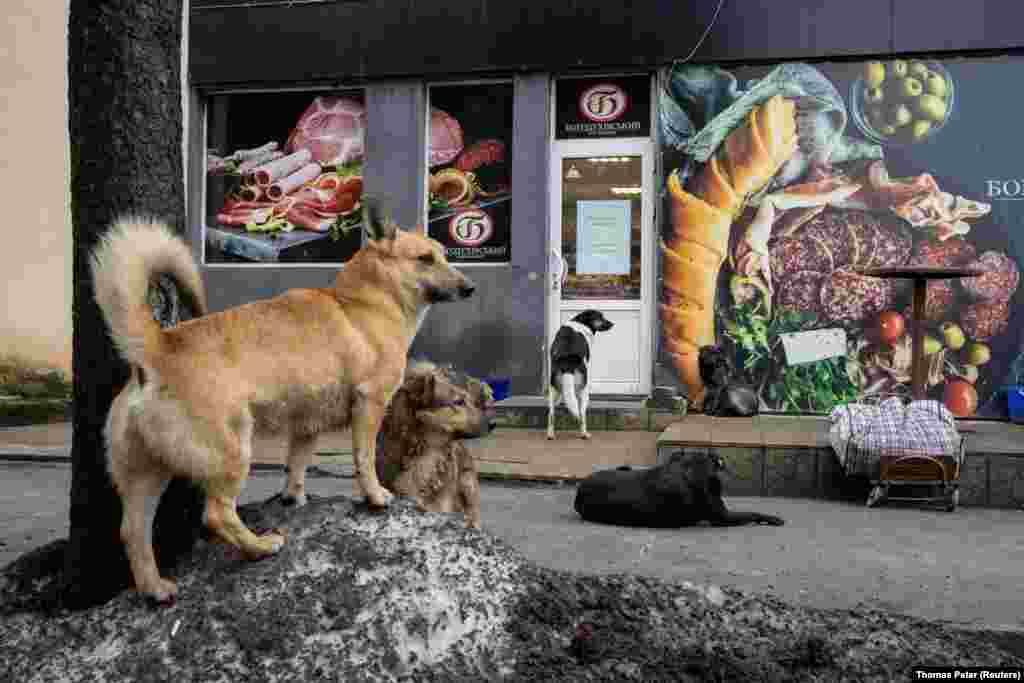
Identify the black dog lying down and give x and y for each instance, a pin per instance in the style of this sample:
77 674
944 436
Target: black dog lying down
722 397
682 492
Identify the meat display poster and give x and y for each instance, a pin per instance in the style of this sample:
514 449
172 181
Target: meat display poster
606 107
469 184
284 177
782 181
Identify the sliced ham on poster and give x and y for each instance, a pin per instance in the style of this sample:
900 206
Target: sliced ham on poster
332 130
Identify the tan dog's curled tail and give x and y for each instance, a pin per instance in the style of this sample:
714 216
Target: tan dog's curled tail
130 257
567 381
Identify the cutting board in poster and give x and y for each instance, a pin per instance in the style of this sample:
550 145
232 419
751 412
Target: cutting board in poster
603 107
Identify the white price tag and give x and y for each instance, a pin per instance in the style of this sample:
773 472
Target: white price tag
813 345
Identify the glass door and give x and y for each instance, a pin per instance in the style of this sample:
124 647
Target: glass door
602 254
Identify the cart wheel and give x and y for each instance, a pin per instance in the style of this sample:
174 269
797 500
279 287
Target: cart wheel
954 500
876 496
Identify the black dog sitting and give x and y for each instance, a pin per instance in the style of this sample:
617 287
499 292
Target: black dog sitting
722 397
684 491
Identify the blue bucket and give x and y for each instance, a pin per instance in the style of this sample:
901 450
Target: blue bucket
499 387
1015 402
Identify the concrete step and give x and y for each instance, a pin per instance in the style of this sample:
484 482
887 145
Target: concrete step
791 456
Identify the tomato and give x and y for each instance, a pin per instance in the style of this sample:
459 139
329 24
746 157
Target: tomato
960 397
889 327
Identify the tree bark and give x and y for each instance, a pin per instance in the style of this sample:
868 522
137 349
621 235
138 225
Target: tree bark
125 121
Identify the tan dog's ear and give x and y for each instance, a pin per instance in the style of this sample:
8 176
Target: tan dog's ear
376 227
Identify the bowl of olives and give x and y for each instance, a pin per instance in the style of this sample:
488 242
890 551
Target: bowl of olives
901 102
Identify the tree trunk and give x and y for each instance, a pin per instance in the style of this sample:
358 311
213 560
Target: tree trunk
125 119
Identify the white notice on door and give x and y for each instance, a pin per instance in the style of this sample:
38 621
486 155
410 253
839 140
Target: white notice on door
813 345
602 237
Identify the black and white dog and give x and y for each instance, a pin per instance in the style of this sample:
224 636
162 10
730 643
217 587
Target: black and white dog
570 362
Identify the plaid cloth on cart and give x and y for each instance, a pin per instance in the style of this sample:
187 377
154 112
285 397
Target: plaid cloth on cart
862 434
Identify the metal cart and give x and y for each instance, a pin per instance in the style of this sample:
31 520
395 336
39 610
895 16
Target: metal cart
939 471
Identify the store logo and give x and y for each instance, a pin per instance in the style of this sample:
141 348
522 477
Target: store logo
470 228
1012 190
603 103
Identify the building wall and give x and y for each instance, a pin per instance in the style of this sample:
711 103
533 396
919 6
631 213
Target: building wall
34 169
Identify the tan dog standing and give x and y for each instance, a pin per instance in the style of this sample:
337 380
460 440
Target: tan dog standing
420 451
307 361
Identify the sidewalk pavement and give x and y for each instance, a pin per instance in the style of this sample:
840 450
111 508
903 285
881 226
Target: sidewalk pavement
506 453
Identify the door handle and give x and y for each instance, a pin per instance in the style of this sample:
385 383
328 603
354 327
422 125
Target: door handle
556 280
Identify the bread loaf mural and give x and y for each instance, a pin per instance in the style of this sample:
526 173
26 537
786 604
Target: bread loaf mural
693 253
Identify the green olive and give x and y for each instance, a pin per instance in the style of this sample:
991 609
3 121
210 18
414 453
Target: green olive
874 74
900 116
888 130
874 95
935 84
932 107
911 87
918 70
920 129
898 68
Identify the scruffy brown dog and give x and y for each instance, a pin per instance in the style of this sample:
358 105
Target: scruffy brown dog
420 453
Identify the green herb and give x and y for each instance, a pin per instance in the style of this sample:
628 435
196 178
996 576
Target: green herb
438 204
809 387
273 227
343 225
351 168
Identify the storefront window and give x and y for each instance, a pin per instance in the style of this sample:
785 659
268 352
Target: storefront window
601 227
469 185
284 177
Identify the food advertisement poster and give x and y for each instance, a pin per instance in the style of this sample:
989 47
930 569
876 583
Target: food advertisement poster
783 181
470 171
284 177
606 107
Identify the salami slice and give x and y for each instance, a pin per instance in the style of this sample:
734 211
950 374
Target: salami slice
984 321
893 244
800 290
847 297
831 228
999 282
791 254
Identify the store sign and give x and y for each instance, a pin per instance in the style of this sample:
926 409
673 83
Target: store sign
603 108
470 228
470 183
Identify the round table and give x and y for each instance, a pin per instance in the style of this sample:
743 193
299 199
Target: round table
920 275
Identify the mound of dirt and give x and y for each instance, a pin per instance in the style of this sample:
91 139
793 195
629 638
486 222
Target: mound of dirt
357 595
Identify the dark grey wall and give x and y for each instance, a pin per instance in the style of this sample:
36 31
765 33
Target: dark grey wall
500 330
395 38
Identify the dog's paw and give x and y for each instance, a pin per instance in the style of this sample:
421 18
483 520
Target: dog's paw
164 593
266 545
381 498
289 500
551 436
773 521
585 436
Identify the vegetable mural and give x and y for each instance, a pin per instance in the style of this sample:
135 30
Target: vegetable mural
783 182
